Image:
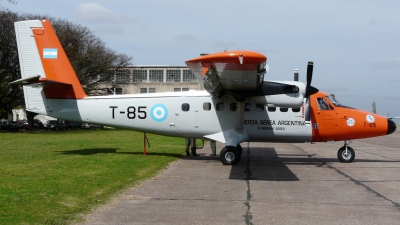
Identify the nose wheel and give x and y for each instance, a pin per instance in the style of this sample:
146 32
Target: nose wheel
346 154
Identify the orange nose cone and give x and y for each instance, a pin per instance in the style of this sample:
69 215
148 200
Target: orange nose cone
391 126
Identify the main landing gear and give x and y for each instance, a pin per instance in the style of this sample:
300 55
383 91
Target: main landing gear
346 154
231 155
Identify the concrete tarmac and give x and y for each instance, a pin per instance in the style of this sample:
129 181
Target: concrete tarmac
274 183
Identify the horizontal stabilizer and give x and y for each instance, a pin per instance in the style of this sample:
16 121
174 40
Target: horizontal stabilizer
25 81
38 80
51 88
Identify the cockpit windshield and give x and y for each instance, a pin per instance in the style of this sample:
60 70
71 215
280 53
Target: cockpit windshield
333 100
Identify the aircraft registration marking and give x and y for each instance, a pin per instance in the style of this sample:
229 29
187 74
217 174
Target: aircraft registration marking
373 125
131 112
158 112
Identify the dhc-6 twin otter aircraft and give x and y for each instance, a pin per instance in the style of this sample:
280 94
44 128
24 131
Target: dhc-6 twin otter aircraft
237 105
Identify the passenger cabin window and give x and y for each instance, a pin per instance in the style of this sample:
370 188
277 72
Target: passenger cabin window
247 107
220 106
206 106
185 107
283 109
295 109
232 106
259 107
322 104
271 108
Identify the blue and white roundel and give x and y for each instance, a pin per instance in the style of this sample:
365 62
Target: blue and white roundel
159 112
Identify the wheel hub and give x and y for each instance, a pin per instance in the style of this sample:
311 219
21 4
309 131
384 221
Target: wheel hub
229 156
346 154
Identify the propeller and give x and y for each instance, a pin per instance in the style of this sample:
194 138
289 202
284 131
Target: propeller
309 90
310 68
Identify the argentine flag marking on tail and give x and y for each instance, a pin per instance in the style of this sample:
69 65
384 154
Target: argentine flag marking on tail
50 53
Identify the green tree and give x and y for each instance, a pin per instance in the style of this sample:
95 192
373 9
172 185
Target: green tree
10 96
88 54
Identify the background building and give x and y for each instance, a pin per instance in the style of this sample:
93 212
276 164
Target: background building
149 79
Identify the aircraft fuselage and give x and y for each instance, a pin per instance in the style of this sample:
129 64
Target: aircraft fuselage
196 114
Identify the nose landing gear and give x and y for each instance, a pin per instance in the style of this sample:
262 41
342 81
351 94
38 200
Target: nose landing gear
346 154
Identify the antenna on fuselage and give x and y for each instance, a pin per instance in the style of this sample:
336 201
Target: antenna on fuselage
296 74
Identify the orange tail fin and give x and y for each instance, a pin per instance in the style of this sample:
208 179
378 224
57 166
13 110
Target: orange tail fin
38 44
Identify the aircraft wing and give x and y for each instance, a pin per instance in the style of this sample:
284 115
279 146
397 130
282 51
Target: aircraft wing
241 75
232 71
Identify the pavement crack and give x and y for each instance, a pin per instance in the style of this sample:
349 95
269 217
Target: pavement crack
249 215
360 150
357 182
397 205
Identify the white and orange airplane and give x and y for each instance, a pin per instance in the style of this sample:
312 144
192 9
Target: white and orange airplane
237 105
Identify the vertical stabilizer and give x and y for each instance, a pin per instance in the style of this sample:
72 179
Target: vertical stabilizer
45 67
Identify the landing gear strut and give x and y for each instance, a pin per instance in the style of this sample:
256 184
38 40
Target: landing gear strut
346 154
231 155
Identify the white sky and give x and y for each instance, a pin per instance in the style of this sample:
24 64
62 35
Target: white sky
355 45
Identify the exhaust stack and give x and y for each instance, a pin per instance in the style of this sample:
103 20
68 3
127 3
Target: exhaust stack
296 74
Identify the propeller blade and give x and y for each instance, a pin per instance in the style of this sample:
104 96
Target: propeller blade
307 110
309 91
310 67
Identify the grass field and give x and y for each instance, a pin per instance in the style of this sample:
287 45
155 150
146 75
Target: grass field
56 177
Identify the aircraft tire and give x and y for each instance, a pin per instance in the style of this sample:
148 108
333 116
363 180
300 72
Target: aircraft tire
240 150
229 155
346 158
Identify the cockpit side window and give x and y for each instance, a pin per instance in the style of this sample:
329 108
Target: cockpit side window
333 100
322 104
